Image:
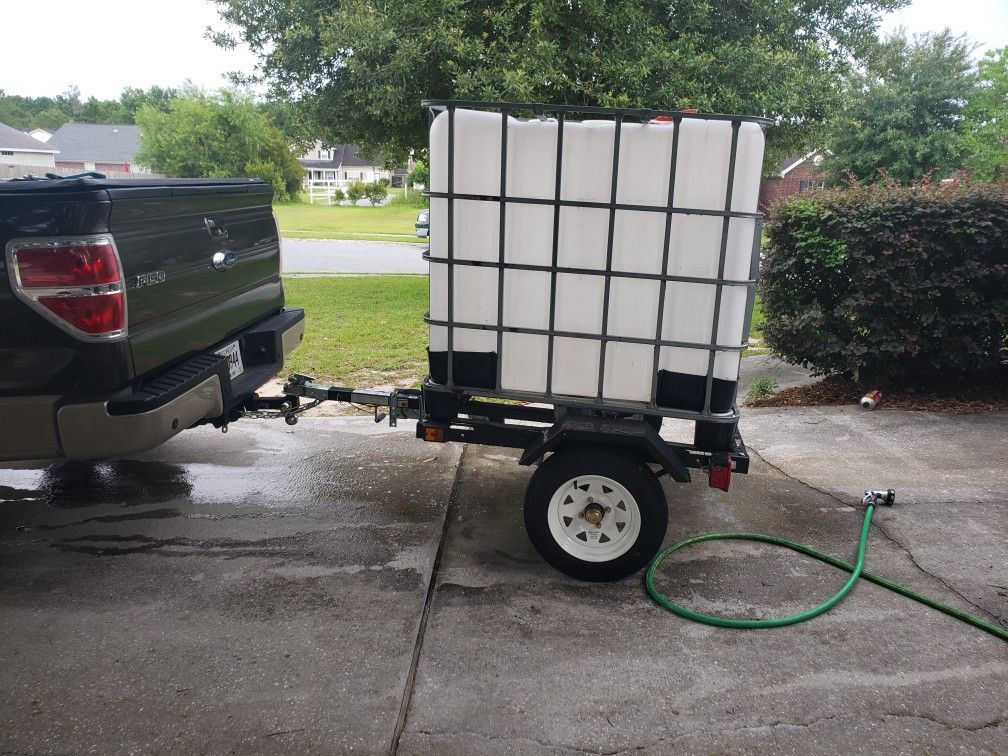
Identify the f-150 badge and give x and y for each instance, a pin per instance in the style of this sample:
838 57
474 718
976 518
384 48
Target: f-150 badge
149 279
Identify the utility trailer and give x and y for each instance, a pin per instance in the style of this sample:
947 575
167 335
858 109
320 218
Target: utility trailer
594 508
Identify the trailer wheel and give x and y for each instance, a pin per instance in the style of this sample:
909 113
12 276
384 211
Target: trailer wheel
595 514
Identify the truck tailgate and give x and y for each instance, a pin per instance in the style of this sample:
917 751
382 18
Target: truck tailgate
179 302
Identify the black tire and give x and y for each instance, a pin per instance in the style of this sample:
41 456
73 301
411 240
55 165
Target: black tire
623 468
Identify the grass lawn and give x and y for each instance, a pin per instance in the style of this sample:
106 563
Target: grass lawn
368 330
361 330
388 223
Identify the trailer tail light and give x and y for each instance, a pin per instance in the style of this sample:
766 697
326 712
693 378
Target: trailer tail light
721 466
75 282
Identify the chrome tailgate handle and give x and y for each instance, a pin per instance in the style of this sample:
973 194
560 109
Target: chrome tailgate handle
215 231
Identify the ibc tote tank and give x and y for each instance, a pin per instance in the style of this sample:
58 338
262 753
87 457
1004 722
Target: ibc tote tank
557 272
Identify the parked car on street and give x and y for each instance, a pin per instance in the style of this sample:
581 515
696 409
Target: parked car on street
423 223
134 309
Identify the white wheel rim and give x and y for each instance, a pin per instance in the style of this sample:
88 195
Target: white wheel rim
577 535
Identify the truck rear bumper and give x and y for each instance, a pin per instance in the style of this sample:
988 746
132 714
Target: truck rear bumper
88 431
141 418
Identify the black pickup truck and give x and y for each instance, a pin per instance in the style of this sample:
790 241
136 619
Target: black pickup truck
131 310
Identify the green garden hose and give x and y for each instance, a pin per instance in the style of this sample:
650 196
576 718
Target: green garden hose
856 571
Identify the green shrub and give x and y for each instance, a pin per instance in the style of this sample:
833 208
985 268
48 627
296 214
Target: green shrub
356 191
762 387
338 195
376 192
384 182
894 284
271 174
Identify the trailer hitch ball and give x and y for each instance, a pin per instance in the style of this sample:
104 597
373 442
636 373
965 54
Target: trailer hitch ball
290 419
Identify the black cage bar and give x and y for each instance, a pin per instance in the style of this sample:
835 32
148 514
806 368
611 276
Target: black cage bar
599 401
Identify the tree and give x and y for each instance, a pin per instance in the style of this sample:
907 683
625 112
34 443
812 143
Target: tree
420 175
27 113
133 98
376 192
986 115
217 136
903 116
361 69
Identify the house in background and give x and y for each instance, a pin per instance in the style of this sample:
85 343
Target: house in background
106 148
339 166
795 175
20 153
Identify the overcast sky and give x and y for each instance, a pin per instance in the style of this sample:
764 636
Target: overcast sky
105 45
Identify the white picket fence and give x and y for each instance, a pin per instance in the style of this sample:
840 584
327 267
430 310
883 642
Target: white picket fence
322 192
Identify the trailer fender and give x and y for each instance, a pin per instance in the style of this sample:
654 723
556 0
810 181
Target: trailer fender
602 431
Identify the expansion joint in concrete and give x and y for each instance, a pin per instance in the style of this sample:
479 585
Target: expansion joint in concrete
407 695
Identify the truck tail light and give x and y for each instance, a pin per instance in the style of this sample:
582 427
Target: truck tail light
75 282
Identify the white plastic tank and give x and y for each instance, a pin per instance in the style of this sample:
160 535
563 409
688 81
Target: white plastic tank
645 158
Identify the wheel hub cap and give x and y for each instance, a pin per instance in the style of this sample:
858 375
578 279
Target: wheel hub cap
594 518
593 513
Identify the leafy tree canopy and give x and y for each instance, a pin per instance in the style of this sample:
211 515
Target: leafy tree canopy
904 113
215 137
27 113
986 115
360 68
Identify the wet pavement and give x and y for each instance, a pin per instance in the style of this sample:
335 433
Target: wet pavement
270 590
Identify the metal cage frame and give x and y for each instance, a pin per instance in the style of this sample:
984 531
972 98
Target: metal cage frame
599 402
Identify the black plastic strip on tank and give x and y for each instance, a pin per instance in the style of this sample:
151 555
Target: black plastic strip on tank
500 250
653 402
450 355
721 266
600 205
587 336
609 254
592 271
556 254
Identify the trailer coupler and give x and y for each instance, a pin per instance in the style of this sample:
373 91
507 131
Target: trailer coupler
394 404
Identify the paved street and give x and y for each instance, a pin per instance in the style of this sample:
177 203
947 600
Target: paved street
341 586
337 256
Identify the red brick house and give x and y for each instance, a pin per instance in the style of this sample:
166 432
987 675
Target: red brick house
795 175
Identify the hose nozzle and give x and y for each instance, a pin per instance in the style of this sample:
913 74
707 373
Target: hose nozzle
876 498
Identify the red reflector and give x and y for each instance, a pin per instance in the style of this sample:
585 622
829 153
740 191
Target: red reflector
102 313
434 434
720 471
70 265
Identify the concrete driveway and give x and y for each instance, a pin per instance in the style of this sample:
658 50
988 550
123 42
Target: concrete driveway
340 586
334 256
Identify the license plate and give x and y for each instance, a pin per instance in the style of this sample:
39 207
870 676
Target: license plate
233 352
